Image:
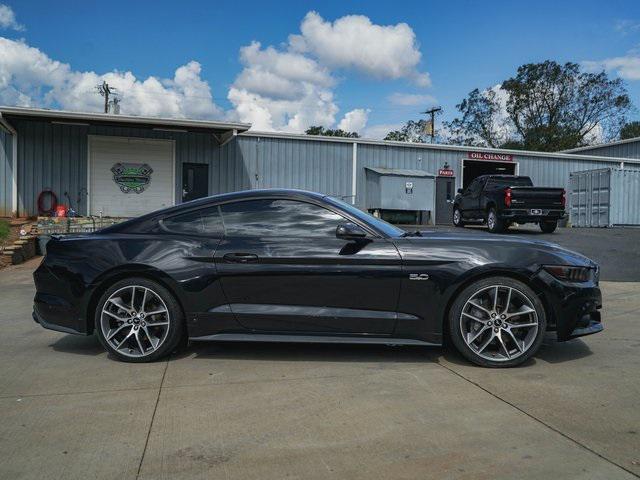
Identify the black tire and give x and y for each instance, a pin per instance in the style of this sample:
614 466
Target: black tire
494 223
535 335
172 338
548 227
457 217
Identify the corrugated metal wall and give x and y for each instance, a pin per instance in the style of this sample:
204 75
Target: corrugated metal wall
6 177
620 150
625 197
55 156
285 163
605 197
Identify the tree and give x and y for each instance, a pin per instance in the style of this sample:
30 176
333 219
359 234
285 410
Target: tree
545 106
483 121
412 131
327 132
630 130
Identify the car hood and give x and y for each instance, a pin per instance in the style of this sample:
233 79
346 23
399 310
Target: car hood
498 246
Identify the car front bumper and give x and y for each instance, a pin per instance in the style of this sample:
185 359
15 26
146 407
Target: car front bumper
574 307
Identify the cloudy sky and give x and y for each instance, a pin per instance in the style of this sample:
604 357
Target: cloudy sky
361 66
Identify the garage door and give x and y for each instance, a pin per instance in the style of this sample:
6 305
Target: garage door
130 176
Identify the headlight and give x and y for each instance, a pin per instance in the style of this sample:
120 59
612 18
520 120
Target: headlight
571 274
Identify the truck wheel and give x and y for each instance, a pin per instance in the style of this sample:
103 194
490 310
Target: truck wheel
494 224
548 227
457 217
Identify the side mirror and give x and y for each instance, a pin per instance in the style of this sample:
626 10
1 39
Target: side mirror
460 190
350 231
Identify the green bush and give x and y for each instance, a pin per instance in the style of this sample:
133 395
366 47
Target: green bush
4 229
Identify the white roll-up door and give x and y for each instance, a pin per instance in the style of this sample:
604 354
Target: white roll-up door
130 176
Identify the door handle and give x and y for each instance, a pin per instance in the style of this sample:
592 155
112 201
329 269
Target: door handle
240 257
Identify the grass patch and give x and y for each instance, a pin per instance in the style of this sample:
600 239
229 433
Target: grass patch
4 229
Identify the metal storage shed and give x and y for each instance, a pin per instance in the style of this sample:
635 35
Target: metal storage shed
400 189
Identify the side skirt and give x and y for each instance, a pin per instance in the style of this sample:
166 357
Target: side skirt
265 337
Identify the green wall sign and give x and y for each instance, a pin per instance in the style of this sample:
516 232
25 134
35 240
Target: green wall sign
132 177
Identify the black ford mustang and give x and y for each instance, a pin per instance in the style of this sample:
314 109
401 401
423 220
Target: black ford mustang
286 265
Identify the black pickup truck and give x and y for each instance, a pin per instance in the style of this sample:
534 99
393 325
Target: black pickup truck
500 200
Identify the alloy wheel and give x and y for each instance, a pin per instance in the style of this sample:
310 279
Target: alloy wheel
456 216
499 323
491 221
135 321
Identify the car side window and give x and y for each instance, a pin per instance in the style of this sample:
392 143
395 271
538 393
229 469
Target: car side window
472 186
205 221
279 218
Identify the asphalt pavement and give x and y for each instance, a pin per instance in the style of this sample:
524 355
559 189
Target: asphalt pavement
275 411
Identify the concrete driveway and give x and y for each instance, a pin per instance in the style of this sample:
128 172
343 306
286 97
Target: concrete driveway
309 411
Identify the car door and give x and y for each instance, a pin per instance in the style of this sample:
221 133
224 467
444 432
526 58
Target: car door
466 203
472 199
283 269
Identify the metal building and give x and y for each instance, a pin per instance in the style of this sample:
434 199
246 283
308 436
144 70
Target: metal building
629 148
118 165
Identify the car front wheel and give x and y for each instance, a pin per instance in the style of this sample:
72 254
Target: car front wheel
457 217
497 322
138 320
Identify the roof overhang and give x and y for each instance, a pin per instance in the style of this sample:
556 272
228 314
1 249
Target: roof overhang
222 131
399 172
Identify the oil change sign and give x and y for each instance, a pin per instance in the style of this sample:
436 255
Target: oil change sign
500 157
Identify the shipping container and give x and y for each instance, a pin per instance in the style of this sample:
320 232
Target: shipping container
604 197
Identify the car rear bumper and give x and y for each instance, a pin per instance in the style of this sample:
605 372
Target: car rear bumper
53 307
524 215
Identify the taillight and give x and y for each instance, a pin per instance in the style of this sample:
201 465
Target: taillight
563 199
507 197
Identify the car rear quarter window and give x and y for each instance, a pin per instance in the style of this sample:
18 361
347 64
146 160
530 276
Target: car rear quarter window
278 218
205 221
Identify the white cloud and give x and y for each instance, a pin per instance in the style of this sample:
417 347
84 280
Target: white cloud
411 99
626 26
355 120
352 41
287 88
627 67
28 77
282 90
378 132
8 19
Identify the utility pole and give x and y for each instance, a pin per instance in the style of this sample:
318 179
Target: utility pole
432 124
105 90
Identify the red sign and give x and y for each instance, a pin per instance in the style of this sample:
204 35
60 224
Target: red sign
500 157
445 172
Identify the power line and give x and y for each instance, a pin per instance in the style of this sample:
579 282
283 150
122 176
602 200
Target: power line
105 90
432 124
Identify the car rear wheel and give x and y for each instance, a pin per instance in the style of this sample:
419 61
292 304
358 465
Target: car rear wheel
497 322
457 217
494 224
138 320
548 227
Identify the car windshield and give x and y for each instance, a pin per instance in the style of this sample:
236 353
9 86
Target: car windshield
376 223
